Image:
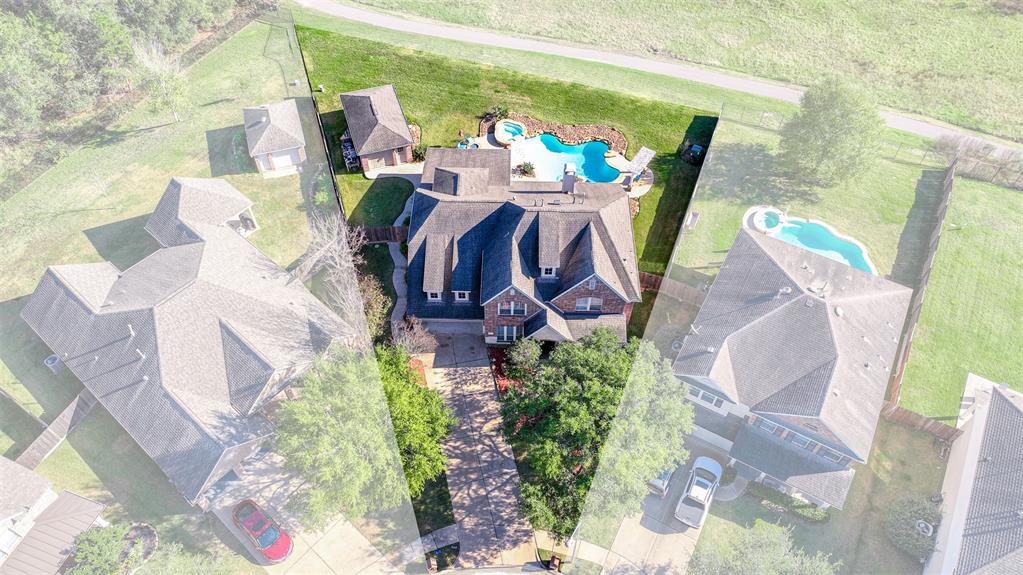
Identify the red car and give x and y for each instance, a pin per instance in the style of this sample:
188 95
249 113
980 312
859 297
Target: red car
264 532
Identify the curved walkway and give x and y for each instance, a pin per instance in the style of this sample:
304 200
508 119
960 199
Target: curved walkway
732 491
729 80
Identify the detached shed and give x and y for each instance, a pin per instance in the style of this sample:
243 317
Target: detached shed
274 135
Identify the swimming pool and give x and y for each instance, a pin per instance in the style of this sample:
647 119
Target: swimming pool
549 155
811 235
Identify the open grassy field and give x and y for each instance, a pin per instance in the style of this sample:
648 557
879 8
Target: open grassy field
876 207
444 95
955 61
973 308
902 462
92 206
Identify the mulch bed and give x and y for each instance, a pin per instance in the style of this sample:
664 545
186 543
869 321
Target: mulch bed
497 360
570 134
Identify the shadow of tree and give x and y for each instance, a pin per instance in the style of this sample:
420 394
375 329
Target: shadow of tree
123 243
228 152
751 174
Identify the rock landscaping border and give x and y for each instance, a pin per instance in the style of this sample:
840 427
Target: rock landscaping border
570 134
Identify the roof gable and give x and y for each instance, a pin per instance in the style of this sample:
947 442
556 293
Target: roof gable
273 127
375 119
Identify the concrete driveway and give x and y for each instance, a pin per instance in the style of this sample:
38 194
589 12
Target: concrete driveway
653 541
481 474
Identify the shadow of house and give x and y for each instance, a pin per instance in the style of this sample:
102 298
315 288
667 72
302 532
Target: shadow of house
680 180
914 242
700 130
750 174
227 152
123 243
22 352
334 126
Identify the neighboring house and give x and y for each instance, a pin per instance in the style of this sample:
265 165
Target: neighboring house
275 138
377 126
185 347
37 526
981 531
787 364
545 260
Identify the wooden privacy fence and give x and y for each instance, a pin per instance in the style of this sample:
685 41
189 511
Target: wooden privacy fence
916 303
684 293
903 416
385 234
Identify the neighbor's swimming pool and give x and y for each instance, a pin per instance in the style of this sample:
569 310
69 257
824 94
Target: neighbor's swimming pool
549 155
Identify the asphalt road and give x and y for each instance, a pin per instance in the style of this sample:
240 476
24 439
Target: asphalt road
760 87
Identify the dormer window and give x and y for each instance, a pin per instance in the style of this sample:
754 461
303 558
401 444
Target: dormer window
461 296
548 272
433 296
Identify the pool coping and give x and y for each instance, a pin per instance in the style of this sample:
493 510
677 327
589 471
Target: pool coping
750 221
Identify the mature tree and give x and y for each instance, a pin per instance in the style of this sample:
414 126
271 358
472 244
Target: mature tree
376 305
172 22
412 336
338 436
98 551
569 405
765 549
162 78
170 558
421 420
834 134
900 523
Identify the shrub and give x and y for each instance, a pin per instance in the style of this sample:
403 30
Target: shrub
900 525
419 153
527 168
321 198
803 509
498 111
523 359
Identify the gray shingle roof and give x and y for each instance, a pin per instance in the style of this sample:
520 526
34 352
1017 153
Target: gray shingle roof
799 468
375 119
20 488
175 347
992 536
794 334
498 230
188 201
48 544
273 127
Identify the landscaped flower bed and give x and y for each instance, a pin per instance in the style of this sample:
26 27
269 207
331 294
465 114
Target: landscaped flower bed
783 503
570 134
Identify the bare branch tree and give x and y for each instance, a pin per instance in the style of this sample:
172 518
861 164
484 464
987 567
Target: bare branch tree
334 244
163 81
413 336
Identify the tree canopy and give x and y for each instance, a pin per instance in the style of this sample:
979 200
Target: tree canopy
765 549
834 134
568 405
421 420
98 551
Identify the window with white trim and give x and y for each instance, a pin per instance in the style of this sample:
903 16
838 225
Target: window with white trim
830 455
799 440
508 333
588 304
592 283
433 296
511 308
706 396
461 296
548 272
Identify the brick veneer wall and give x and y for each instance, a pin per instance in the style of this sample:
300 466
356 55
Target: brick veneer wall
612 302
491 320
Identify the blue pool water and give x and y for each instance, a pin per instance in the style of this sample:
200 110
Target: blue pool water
820 240
549 155
510 130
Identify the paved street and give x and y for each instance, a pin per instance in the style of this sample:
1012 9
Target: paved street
482 477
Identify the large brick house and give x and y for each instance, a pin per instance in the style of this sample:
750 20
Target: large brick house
377 126
523 258
787 364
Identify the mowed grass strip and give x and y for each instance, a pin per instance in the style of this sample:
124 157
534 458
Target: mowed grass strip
955 61
973 308
445 95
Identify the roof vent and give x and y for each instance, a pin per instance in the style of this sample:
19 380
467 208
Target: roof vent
786 290
808 302
866 364
711 350
839 311
145 378
131 331
142 356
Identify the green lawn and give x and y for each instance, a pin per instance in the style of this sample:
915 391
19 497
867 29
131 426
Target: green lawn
973 306
950 60
641 314
444 95
93 206
743 171
902 462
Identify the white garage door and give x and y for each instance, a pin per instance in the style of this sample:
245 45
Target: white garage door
285 159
